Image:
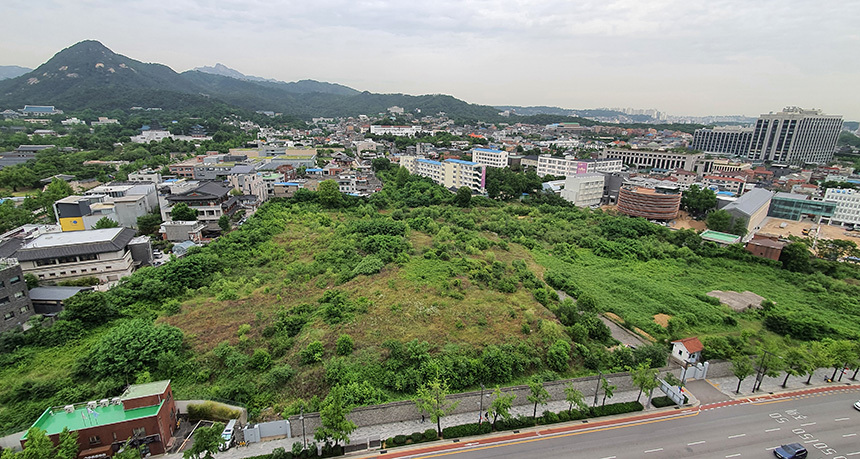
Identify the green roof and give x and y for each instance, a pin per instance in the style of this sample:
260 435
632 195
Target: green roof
717 236
53 420
143 390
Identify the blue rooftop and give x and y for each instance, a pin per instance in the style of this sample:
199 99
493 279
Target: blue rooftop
315 169
460 161
429 161
488 150
288 183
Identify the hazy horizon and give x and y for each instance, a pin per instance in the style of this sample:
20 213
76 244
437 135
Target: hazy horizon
682 58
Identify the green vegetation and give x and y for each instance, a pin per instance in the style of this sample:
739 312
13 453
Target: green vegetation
368 299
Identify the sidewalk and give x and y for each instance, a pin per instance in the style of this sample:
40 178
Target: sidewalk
727 385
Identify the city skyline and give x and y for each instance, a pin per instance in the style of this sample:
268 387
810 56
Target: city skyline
683 58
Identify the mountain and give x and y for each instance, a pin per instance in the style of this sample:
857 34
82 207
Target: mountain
89 75
301 86
12 71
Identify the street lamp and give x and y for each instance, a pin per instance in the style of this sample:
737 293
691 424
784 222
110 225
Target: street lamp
302 418
481 404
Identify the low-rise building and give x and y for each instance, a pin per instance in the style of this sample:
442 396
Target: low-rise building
790 206
450 173
583 190
211 200
490 157
653 159
407 131
752 207
178 231
730 184
847 205
145 414
651 203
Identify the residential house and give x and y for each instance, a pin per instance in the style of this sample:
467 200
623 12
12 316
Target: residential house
211 200
687 350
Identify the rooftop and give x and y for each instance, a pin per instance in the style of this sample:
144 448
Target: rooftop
144 390
692 344
722 238
53 420
54 293
752 201
71 243
460 161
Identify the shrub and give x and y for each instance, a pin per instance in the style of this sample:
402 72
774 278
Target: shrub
518 422
212 411
400 440
549 417
616 408
417 437
313 353
430 435
344 345
664 401
466 430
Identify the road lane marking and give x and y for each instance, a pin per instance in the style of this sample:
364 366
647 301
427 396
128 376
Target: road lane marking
808 424
850 435
841 419
772 430
738 436
609 457
696 443
853 454
734 455
653 450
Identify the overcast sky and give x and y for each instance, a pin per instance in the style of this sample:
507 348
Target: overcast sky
686 57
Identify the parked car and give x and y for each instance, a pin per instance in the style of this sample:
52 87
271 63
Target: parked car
857 405
229 436
791 451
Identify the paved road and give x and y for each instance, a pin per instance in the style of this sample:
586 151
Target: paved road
826 423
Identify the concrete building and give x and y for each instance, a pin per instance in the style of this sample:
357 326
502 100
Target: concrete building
490 157
15 305
789 206
847 201
144 413
644 159
179 231
752 207
765 247
211 200
729 184
249 183
723 140
106 254
795 136
569 165
145 176
450 173
51 299
583 190
407 131
651 203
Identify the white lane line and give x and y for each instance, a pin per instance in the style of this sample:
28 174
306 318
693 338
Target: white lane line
696 443
841 419
850 435
608 457
771 448
853 454
738 436
734 455
772 430
807 424
654 450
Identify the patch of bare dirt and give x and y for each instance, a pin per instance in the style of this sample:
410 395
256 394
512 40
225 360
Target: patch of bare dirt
662 319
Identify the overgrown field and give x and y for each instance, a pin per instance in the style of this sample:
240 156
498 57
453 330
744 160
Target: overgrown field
379 296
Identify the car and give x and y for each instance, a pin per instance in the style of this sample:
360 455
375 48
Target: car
857 405
790 451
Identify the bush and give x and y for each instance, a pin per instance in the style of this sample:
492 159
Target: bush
212 411
400 440
313 353
466 430
344 345
616 408
430 435
518 422
417 437
664 401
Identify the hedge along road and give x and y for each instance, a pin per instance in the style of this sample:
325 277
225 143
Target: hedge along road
825 417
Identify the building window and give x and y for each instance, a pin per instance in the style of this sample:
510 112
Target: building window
139 432
14 280
4 300
8 315
18 294
23 309
95 440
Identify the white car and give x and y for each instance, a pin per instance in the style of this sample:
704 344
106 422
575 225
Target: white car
857 404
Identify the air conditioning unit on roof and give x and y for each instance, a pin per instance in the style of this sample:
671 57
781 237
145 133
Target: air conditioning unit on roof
104 402
69 408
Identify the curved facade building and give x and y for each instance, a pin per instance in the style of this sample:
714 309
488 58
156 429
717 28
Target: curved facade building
650 203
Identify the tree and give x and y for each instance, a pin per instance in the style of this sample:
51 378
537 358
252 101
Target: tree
795 364
17 177
537 394
698 201
463 197
329 194
741 368
181 212
67 445
645 378
333 417
105 222
818 356
90 307
432 400
12 216
38 446
795 257
206 442
842 352
608 390
719 220
380 164
224 223
574 397
131 347
500 406
402 177
739 227
149 223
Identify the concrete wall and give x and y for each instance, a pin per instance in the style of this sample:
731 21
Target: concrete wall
470 401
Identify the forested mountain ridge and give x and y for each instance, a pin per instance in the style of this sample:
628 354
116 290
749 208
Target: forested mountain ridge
89 75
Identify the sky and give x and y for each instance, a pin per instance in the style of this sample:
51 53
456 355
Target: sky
687 57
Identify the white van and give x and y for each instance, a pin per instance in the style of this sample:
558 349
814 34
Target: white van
229 436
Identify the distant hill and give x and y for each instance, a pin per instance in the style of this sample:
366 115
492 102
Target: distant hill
89 75
12 71
302 86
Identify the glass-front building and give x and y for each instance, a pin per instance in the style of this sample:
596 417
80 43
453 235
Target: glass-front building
792 206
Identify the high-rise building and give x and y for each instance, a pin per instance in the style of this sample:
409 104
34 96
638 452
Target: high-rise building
795 136
724 140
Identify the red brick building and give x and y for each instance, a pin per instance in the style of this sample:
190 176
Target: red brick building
146 413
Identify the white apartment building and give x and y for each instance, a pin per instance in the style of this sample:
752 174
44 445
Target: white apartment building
407 131
723 140
795 136
569 165
584 190
490 157
450 173
847 205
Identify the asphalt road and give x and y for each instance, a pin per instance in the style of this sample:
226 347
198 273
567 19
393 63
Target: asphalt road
826 424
